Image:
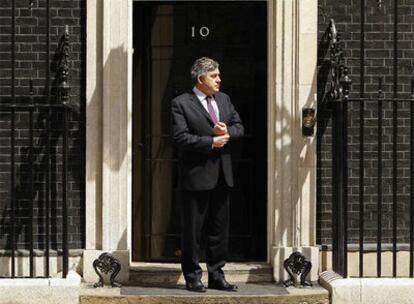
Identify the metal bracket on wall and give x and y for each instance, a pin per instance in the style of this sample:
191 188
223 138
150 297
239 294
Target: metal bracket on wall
299 265
106 263
340 81
63 68
379 3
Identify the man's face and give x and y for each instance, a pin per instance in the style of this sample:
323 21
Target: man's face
210 83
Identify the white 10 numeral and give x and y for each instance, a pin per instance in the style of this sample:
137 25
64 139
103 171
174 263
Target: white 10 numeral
204 31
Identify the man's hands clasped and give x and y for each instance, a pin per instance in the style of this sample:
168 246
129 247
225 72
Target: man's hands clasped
221 136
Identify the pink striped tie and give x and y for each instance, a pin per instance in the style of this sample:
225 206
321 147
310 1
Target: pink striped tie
211 110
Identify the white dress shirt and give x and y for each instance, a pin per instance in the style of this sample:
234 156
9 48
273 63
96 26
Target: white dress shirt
202 98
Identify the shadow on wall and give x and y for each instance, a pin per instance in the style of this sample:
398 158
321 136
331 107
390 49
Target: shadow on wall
102 155
32 175
114 68
296 156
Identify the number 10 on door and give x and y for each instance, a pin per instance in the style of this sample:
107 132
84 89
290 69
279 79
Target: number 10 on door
203 31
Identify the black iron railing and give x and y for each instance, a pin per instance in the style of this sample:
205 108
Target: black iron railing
340 172
341 169
339 91
346 109
52 106
50 112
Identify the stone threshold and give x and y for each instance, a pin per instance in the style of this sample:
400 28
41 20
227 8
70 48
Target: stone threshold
142 266
254 293
170 273
367 290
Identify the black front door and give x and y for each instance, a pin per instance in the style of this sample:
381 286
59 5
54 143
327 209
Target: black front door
168 37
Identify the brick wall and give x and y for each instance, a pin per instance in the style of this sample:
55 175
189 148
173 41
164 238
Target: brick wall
31 63
379 41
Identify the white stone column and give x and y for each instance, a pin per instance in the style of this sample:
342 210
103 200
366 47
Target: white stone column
292 157
107 138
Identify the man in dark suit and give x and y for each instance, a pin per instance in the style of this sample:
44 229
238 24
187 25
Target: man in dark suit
204 123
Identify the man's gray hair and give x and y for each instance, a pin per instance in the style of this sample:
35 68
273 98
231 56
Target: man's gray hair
201 66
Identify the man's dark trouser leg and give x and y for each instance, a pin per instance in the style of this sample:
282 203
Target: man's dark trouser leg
217 230
193 213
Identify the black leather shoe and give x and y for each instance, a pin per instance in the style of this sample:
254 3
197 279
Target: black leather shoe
222 285
196 286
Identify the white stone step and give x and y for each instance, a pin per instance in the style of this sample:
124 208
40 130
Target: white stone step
170 273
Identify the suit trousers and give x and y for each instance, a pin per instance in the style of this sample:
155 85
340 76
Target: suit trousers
211 209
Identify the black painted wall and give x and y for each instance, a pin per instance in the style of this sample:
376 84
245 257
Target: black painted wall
379 52
31 63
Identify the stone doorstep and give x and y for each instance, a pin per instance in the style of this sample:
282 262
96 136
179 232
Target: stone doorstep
368 290
255 293
205 300
170 273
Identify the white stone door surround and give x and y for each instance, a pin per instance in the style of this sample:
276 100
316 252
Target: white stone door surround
292 56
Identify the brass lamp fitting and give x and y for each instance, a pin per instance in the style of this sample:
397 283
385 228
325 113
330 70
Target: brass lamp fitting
308 121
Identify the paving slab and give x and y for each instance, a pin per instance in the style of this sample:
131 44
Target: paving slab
41 290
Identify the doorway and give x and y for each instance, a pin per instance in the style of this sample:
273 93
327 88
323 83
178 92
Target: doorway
168 37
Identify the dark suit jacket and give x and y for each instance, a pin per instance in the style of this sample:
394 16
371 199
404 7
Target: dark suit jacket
192 130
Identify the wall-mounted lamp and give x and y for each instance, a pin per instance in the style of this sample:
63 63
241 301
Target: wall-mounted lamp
308 121
379 3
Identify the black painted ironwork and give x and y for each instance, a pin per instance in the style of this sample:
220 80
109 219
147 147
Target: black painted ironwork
48 130
379 179
106 264
63 95
336 61
395 136
340 85
379 3
12 138
63 70
299 265
361 140
31 194
29 106
12 194
412 183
